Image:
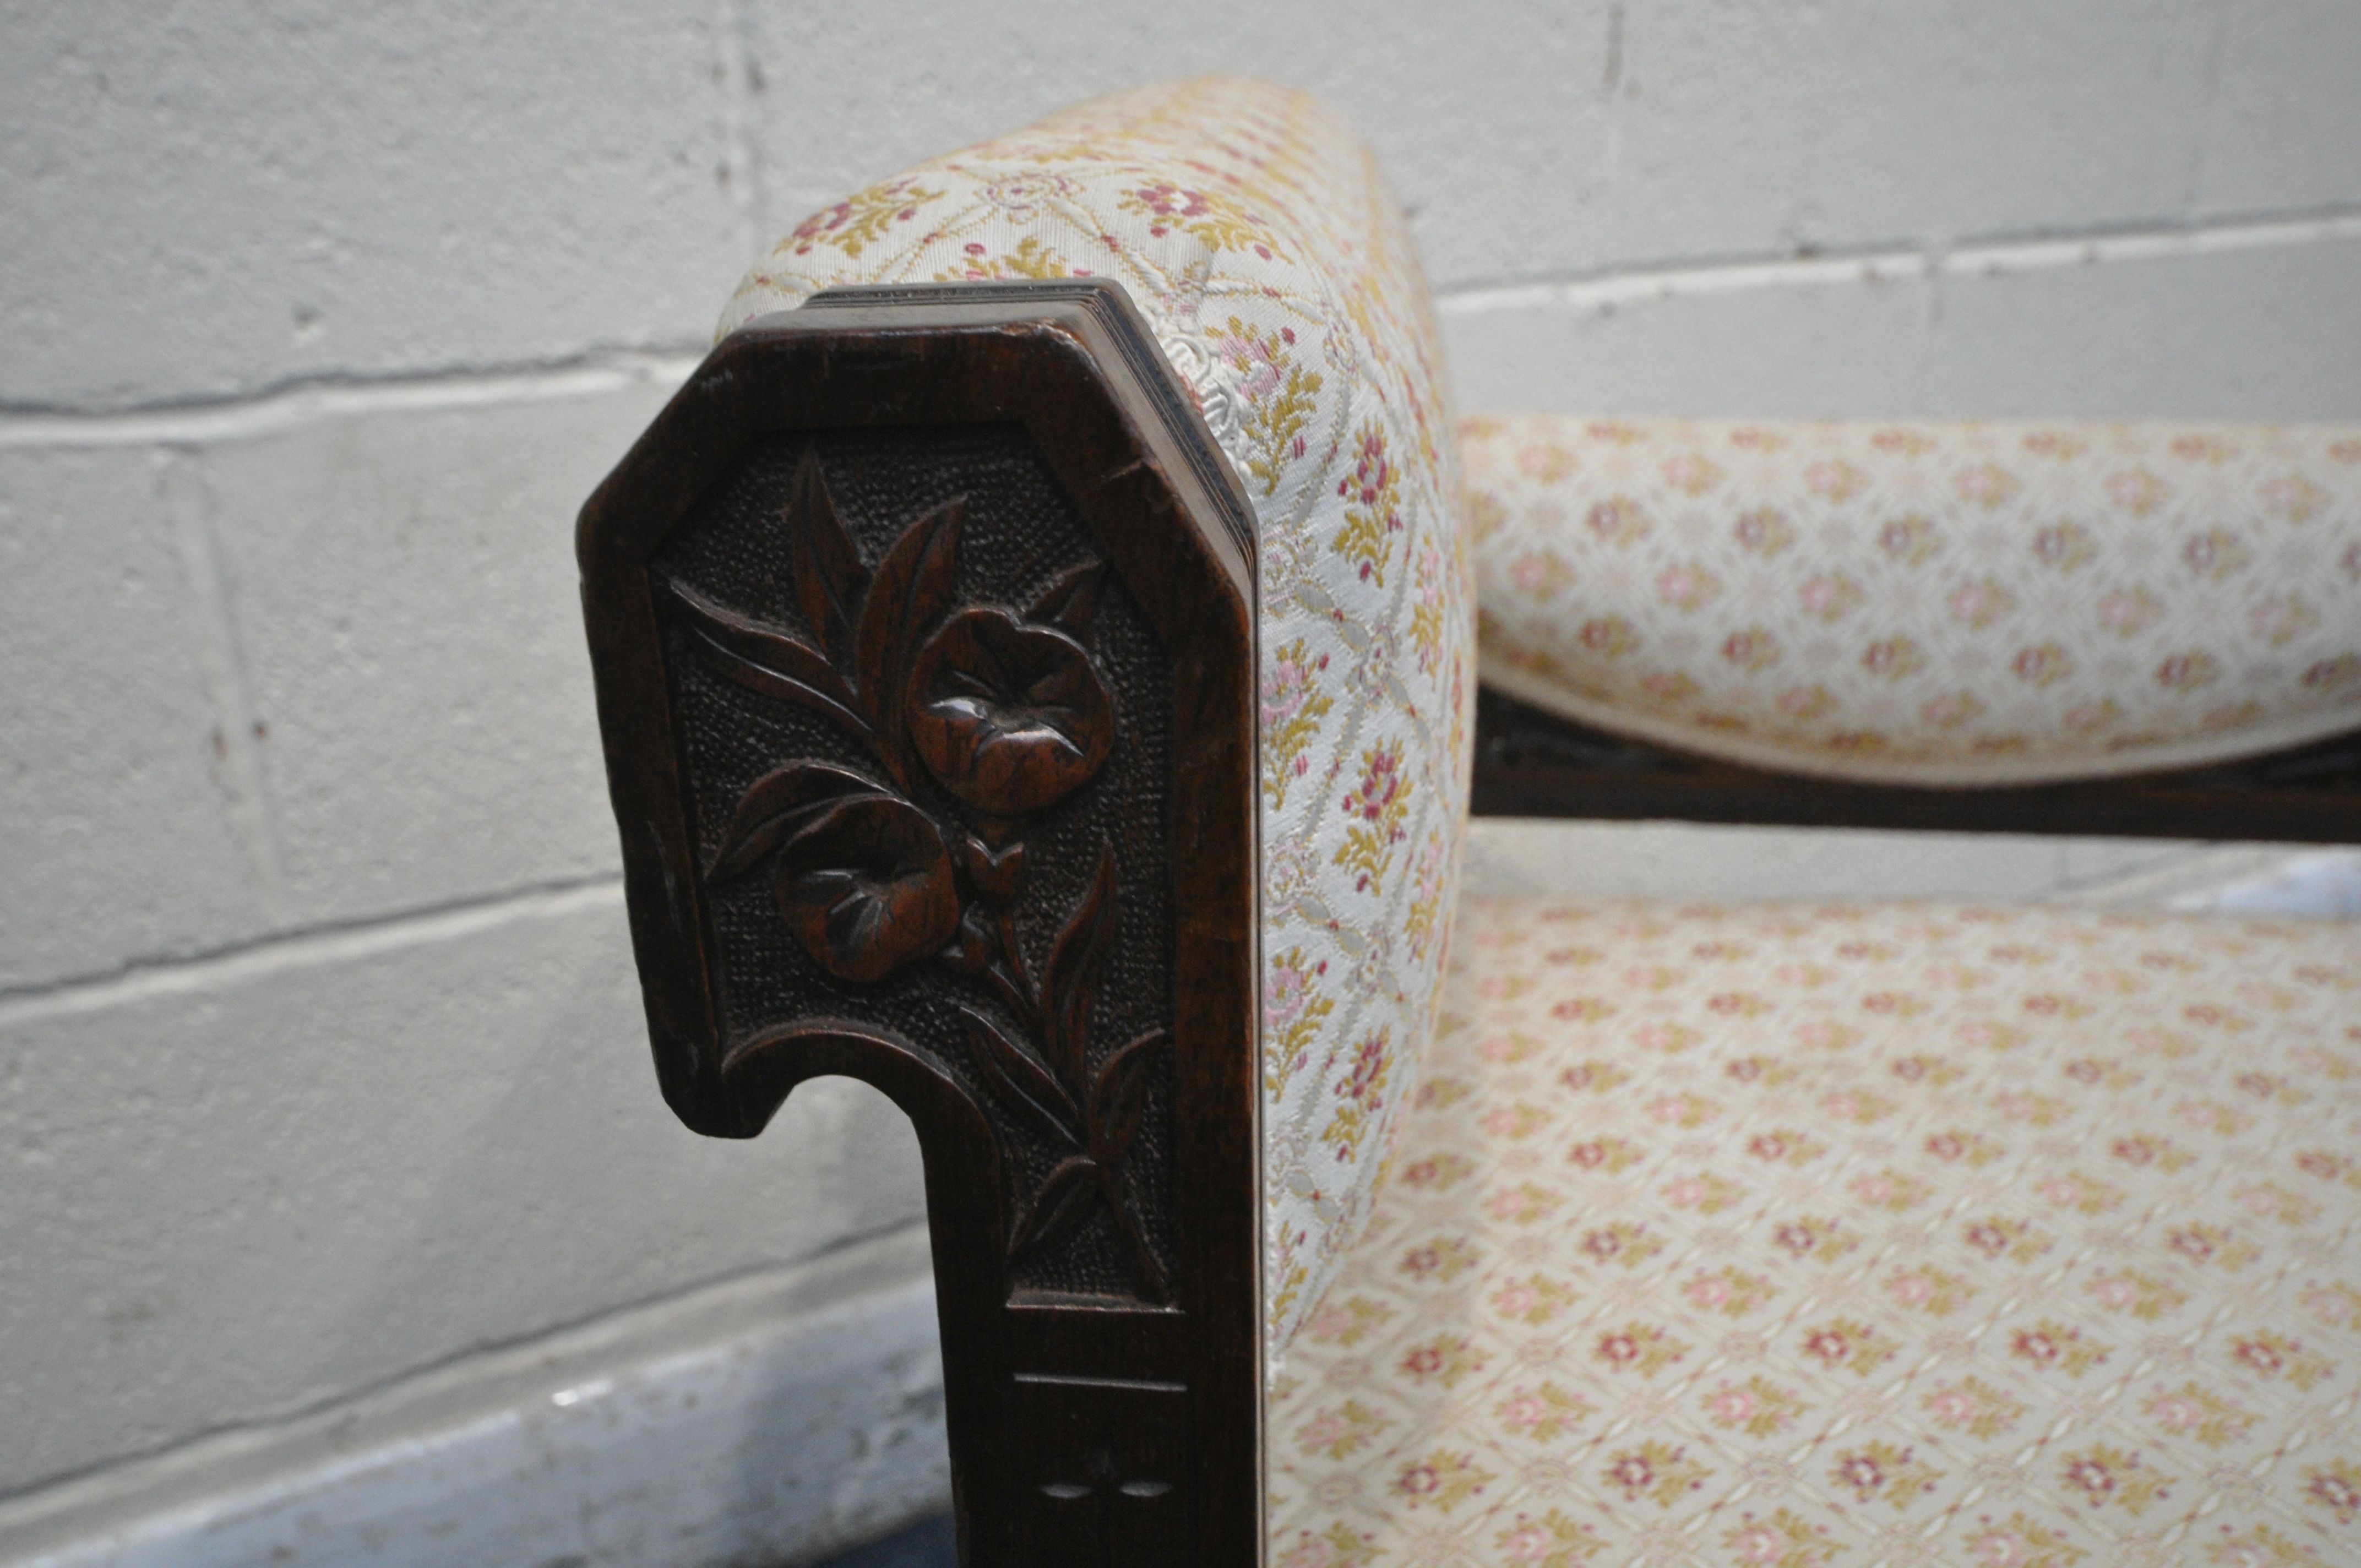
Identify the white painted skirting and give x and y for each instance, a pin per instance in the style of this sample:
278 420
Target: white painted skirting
2319 884
768 1420
1526 857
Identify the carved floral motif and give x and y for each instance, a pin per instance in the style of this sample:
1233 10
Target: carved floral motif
1010 716
1007 714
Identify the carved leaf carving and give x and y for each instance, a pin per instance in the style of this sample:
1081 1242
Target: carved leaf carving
829 577
775 805
1117 1099
1071 598
1020 1083
1063 1202
910 592
1126 1224
1073 978
765 660
1119 1095
1008 714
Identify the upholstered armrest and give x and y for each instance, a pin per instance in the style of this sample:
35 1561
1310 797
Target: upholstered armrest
1925 603
1040 682
1251 230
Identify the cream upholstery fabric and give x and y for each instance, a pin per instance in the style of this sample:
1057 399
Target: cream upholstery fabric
1250 225
1927 603
1906 1234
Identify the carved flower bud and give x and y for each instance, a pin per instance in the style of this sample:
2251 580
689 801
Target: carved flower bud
996 877
1008 714
970 948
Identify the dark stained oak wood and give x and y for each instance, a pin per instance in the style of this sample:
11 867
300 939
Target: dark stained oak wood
1531 763
923 627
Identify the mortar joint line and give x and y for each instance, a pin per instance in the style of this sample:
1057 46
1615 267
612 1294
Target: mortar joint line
321 942
208 421
1888 261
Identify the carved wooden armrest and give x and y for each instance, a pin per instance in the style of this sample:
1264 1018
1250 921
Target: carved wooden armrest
924 630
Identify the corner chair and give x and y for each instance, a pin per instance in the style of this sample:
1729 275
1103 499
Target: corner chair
1036 655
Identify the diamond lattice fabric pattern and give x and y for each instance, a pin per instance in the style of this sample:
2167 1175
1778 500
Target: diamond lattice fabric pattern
1250 226
1912 1234
1933 603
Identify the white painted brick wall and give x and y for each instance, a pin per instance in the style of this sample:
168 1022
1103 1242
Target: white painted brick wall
321 1063
243 1193
409 630
2260 331
123 839
212 196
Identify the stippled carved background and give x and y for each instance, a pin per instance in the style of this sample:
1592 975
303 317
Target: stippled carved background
1001 696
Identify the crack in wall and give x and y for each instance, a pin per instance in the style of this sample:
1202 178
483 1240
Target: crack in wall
237 770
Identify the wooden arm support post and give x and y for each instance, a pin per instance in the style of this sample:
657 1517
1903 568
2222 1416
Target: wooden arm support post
923 623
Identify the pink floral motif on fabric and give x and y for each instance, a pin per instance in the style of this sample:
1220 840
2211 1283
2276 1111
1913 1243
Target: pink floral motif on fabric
1249 226
1817 1235
1932 603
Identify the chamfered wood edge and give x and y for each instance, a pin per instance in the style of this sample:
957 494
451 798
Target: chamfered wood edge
1129 334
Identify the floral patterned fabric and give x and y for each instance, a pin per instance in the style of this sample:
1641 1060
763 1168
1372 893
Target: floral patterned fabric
1934 603
1249 225
1903 1234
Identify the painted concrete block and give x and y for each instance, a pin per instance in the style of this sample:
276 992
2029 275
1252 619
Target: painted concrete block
1521 81
202 199
250 1193
208 208
2266 333
132 832
1519 856
1813 350
404 588
1751 130
2237 334
1545 140
2283 127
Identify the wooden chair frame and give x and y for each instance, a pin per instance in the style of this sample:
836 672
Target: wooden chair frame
923 623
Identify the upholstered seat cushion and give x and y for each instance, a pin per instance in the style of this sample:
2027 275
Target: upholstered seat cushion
1800 1236
1931 603
1250 226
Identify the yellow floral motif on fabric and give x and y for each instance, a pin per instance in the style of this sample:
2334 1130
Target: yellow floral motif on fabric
1247 225
1931 603
1281 396
2083 1281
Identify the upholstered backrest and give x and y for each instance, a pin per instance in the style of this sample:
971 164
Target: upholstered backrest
1250 226
1927 603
